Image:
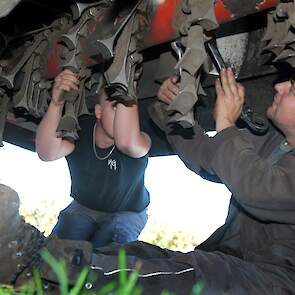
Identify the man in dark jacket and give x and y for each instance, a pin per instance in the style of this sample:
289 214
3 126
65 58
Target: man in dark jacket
254 251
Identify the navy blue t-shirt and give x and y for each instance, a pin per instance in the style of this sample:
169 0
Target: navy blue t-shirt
110 185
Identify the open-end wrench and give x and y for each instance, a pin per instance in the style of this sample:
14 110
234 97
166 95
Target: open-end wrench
177 47
257 123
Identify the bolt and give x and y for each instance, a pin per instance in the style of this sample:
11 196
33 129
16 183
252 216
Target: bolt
88 285
92 11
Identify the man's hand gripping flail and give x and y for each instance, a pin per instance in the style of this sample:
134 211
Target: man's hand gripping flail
64 82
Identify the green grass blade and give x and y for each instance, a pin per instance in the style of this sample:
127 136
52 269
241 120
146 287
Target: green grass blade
107 289
6 290
122 266
59 268
130 283
38 282
198 288
80 282
27 289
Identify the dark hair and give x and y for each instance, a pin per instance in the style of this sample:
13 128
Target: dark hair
285 72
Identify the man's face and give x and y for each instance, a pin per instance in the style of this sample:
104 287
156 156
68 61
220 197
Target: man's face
282 110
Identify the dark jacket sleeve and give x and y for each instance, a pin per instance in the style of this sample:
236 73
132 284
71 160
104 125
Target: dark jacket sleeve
265 190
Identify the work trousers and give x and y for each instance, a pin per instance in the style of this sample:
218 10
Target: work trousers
77 222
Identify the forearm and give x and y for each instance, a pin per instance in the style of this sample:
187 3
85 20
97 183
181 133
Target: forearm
192 146
47 142
127 133
223 124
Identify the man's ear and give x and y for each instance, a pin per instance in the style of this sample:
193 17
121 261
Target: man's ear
98 111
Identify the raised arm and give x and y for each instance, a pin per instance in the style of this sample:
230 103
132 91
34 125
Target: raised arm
48 145
127 133
263 189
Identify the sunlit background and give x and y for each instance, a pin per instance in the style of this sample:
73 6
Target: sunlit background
180 199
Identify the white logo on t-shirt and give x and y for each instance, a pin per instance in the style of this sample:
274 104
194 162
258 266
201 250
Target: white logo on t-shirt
112 164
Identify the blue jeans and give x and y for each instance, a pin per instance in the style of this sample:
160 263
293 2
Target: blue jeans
77 222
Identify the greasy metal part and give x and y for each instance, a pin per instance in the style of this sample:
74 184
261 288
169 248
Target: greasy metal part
25 96
79 7
280 33
31 98
43 97
69 121
81 107
6 6
238 9
255 122
177 47
8 78
4 99
20 98
118 74
70 38
33 32
75 100
72 64
105 47
3 42
53 56
38 97
162 21
75 106
166 18
225 14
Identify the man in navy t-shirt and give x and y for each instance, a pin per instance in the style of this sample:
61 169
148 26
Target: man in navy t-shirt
107 166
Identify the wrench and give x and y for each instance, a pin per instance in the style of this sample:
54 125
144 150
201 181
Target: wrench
176 46
255 122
